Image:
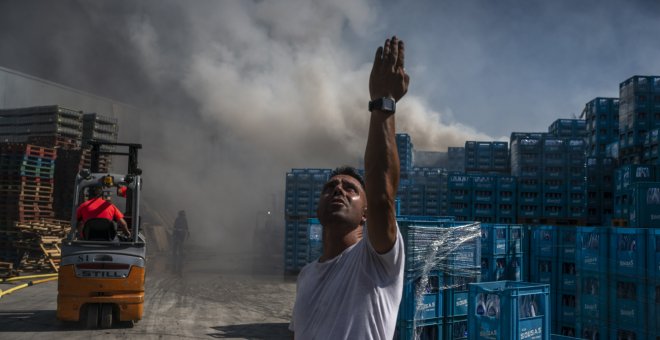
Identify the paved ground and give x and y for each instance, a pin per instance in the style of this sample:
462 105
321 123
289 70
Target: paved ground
227 296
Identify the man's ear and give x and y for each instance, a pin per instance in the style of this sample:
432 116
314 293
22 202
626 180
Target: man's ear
363 221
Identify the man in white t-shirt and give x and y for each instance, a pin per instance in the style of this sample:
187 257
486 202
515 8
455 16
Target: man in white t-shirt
354 289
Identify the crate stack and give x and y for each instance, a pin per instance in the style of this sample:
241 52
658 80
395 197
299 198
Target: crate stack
600 189
650 149
100 128
457 190
653 283
551 178
502 256
484 198
486 157
565 313
526 162
602 120
419 194
441 260
456 158
302 191
592 286
67 165
631 180
506 203
509 310
639 113
405 148
568 128
627 284
51 126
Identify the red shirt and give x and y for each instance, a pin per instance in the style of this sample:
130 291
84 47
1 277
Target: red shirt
98 208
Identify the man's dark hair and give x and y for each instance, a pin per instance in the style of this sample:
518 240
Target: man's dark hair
348 171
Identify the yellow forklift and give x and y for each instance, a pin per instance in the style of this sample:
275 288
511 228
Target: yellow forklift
102 271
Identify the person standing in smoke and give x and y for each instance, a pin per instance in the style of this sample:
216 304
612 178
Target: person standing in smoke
180 233
354 289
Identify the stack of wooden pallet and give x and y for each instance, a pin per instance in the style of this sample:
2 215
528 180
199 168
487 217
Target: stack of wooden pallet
33 246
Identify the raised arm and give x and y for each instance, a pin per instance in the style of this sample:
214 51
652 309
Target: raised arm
381 160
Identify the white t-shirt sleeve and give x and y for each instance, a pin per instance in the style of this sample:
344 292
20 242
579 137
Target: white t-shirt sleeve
388 266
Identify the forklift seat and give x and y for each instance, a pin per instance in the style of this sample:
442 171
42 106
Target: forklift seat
100 229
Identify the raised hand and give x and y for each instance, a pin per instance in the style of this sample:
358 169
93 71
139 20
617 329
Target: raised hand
388 77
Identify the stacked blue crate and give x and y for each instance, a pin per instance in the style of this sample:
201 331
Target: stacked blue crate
624 177
566 297
526 163
592 284
501 252
509 310
602 120
653 283
628 289
644 209
405 149
302 191
600 189
441 258
506 199
543 255
486 157
459 189
576 179
650 149
568 128
555 176
636 115
484 198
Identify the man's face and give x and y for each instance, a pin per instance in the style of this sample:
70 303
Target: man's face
342 201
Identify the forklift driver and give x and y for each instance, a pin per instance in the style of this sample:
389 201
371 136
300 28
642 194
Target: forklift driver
97 207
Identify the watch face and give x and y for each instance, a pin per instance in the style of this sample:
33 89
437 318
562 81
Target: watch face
388 104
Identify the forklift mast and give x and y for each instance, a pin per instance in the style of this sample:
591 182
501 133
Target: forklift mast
132 155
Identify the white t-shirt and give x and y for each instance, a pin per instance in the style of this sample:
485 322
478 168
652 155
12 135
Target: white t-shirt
356 295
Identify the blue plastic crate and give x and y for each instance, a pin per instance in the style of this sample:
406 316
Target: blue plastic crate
502 267
644 210
591 329
456 294
566 243
628 301
567 306
422 298
493 239
410 330
653 298
623 332
628 246
509 310
543 241
515 239
566 328
543 270
592 250
654 254
593 295
567 279
456 327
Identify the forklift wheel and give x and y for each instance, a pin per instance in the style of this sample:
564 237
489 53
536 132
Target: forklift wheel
106 315
91 315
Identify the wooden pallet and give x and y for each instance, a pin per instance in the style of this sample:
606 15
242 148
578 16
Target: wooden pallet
50 247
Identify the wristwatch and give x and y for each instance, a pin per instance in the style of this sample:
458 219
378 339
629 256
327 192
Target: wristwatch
386 104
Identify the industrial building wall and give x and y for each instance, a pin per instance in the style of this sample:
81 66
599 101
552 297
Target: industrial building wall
22 90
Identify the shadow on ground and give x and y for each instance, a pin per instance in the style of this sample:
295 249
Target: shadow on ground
39 321
254 331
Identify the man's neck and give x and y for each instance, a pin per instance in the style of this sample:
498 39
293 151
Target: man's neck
337 239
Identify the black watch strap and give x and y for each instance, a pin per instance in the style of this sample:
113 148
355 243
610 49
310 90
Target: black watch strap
385 104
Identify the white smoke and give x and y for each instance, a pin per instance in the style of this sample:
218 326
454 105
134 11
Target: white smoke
286 91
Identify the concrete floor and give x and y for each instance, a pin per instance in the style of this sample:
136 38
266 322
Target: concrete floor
228 296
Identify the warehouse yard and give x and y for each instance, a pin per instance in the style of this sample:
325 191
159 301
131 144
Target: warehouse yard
223 296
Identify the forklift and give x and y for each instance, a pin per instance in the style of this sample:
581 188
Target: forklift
102 271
